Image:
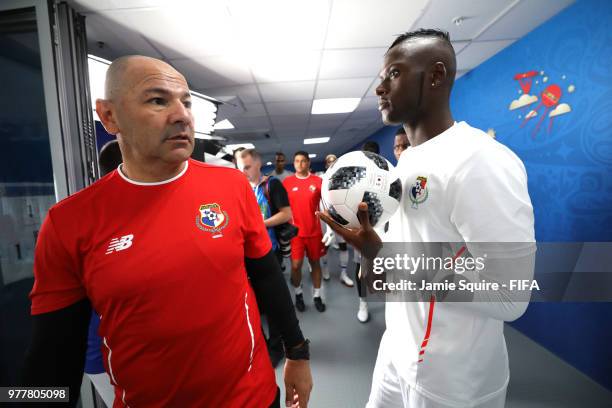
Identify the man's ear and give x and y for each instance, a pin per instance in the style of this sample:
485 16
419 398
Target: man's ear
438 74
104 109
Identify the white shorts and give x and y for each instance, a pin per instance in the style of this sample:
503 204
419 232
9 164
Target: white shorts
389 390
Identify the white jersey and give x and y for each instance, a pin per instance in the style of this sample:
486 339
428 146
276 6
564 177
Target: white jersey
460 186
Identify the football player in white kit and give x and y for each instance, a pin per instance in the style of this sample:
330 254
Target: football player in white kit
459 185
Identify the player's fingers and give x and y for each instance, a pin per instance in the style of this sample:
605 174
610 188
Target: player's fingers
296 400
349 235
364 216
324 216
303 395
290 395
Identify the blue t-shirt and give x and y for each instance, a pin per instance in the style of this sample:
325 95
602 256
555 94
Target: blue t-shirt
93 357
266 211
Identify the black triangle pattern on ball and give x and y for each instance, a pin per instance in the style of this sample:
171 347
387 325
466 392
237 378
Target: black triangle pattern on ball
337 217
380 162
375 208
346 177
395 190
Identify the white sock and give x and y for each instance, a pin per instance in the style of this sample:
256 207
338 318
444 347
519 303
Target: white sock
298 290
344 256
362 300
317 292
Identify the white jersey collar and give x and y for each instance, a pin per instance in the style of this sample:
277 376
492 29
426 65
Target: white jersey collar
438 138
156 183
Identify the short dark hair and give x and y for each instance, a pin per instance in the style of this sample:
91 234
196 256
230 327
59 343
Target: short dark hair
110 157
422 33
371 146
400 131
444 37
280 154
301 153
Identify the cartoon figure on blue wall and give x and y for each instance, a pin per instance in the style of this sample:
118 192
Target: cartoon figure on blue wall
550 97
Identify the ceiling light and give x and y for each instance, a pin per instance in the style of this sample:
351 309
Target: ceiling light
224 124
312 155
334 105
315 140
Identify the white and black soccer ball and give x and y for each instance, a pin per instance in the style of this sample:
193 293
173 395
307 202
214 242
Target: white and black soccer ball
361 176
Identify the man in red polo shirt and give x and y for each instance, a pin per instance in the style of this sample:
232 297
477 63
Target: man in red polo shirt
161 249
304 190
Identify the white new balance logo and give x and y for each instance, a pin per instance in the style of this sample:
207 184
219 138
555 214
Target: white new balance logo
119 244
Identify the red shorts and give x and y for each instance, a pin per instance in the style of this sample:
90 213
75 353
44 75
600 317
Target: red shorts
312 245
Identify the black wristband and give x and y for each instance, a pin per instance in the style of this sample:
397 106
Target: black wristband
301 352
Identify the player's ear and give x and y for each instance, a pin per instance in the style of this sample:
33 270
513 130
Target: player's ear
105 111
437 74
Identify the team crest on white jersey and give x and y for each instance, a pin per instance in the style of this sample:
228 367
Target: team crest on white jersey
418 192
119 244
211 218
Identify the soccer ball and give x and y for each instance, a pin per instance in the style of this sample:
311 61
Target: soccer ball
361 176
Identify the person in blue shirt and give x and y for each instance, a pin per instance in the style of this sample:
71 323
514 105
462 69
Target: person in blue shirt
275 210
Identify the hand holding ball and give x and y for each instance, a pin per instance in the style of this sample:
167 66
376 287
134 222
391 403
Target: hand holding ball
361 177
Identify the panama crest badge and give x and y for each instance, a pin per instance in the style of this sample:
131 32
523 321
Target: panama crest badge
418 192
211 218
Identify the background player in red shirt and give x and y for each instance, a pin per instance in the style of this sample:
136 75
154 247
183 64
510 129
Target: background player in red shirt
304 190
161 249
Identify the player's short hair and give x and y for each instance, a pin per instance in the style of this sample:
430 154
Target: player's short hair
371 146
110 157
301 153
422 33
400 131
443 37
280 154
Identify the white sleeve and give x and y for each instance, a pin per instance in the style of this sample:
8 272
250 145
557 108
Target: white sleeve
492 211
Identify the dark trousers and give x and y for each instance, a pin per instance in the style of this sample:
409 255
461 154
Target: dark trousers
274 337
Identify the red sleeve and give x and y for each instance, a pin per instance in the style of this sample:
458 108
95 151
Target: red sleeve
256 239
57 281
